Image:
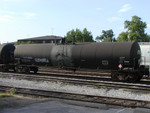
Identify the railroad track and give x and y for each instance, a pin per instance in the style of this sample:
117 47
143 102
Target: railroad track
79 97
81 80
87 82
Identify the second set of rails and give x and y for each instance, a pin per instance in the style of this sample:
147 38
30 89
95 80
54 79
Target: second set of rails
80 80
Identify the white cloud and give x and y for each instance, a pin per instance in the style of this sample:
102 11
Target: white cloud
6 18
99 9
148 25
7 12
125 8
30 15
121 28
112 19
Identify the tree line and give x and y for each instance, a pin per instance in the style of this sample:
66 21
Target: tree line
135 31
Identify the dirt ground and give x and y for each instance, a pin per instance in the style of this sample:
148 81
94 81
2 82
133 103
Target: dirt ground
44 105
17 101
32 105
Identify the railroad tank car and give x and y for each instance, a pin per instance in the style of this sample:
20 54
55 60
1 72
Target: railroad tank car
8 62
122 58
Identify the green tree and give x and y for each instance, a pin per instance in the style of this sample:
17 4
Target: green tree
70 34
107 36
87 36
136 29
22 42
123 37
80 36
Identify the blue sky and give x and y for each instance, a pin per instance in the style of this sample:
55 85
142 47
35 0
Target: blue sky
32 18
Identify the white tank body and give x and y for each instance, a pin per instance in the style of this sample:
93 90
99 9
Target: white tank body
145 53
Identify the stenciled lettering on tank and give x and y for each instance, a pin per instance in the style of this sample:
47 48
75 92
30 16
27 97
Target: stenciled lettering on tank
27 57
105 62
42 60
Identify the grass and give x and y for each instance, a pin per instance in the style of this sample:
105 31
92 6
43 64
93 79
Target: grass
10 93
5 95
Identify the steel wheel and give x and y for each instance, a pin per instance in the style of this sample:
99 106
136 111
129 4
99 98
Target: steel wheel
132 78
114 76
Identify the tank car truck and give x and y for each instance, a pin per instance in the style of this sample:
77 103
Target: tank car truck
122 59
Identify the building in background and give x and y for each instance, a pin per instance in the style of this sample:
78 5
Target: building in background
43 39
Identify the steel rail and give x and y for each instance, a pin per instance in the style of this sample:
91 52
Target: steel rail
79 81
79 97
